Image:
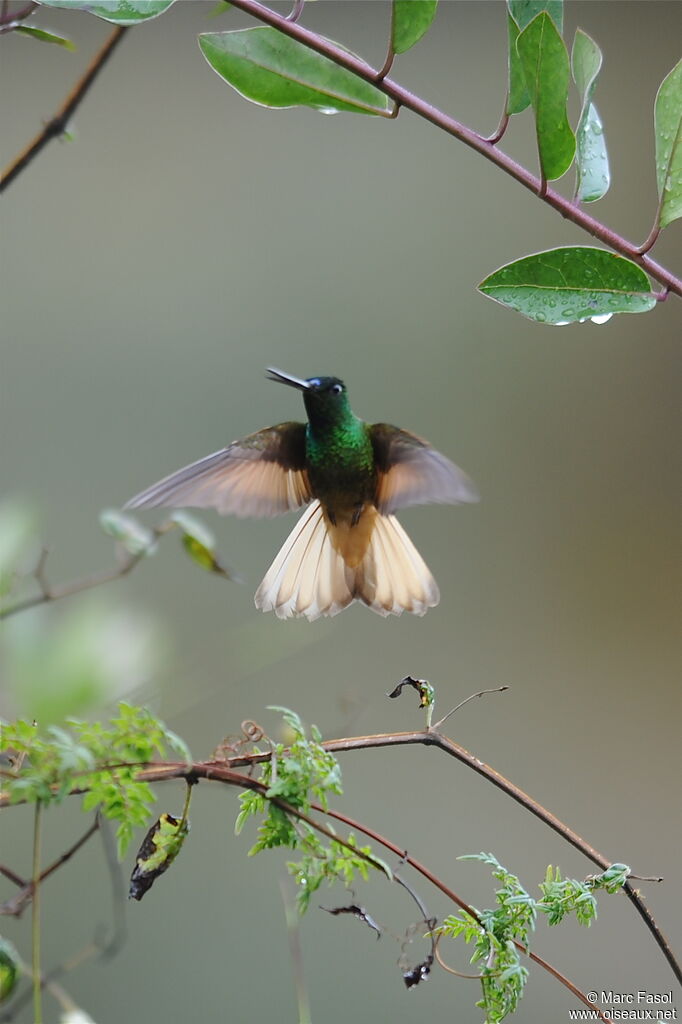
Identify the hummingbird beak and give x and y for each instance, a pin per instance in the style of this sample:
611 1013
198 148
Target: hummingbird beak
286 378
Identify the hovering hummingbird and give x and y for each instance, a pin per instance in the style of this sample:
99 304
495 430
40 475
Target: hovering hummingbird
348 546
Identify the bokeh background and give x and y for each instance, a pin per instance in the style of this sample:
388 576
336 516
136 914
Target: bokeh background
151 269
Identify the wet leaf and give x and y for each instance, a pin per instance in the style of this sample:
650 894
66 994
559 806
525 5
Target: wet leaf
569 285
269 69
411 20
592 162
668 126
545 65
119 12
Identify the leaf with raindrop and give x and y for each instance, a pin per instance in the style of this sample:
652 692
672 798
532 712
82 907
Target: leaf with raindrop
545 64
668 125
569 285
119 12
592 162
267 68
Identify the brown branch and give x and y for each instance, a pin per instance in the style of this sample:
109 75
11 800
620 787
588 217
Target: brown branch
221 772
486 147
58 123
50 593
15 906
224 771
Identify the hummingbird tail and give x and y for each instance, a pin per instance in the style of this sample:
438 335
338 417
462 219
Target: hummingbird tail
311 577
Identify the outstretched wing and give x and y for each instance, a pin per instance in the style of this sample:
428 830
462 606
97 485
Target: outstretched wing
260 475
411 472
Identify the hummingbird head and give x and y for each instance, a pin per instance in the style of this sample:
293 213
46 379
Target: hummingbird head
325 398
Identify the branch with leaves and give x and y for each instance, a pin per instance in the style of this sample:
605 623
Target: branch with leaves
113 767
285 64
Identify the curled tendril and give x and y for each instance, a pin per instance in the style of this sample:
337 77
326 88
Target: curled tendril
252 731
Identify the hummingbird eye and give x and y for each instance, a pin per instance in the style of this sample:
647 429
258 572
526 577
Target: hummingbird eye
336 389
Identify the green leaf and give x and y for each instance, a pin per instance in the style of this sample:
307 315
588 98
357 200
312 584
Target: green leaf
519 14
569 285
9 969
199 543
44 37
668 127
545 65
523 11
119 12
269 69
135 538
592 162
411 20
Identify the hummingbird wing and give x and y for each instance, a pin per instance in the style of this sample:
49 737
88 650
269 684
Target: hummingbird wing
411 472
260 475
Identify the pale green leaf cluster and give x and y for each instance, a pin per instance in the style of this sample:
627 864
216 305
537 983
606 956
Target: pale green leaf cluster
103 759
302 773
497 933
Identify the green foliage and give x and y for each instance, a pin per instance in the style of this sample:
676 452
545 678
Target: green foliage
135 538
119 12
49 763
545 66
668 126
496 932
199 543
270 69
44 37
520 13
9 969
330 863
411 20
592 162
570 285
88 656
299 774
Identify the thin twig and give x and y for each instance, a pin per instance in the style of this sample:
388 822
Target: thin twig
35 918
15 906
55 593
404 98
58 123
472 696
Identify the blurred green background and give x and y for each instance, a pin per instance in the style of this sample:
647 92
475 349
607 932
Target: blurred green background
151 269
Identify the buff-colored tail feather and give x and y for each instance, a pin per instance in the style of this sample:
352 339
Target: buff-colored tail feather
311 577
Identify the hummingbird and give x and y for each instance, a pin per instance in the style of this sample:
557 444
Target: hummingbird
348 545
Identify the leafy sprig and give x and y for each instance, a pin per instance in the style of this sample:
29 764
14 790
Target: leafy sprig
302 773
499 935
105 760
